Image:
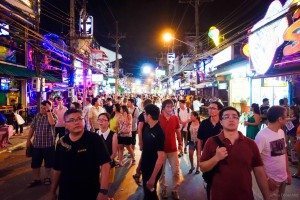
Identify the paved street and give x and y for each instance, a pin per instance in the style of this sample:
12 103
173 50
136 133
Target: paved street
15 174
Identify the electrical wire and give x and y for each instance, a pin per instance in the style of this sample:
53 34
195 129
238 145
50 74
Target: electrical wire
108 7
51 5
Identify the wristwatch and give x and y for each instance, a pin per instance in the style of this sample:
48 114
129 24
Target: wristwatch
103 191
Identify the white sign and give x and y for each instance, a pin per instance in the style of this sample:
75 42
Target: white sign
171 57
219 59
3 29
78 79
265 40
89 26
97 78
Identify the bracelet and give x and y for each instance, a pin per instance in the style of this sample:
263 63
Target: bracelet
103 191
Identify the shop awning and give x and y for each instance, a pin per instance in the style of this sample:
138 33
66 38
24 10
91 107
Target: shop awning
22 72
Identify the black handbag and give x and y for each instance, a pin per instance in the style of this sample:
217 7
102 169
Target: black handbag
29 151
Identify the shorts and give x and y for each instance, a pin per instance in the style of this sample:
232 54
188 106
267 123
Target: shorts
133 138
192 145
124 140
40 154
111 176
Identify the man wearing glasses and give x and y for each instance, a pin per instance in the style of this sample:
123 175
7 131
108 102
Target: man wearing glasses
78 157
232 157
208 128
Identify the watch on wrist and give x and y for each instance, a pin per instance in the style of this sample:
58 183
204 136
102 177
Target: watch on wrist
103 191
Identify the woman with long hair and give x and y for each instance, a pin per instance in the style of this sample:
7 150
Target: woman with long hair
253 122
192 129
115 117
125 134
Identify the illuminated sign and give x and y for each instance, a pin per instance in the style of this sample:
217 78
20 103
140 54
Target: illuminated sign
89 26
265 39
97 78
273 82
220 58
292 34
171 57
4 29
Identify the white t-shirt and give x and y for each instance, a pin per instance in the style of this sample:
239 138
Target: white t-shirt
272 147
184 115
196 105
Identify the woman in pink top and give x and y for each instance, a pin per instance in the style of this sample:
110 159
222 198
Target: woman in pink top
125 134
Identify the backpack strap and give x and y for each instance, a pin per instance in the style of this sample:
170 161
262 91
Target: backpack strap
218 141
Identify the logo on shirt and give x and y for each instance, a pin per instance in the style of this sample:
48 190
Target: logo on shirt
277 147
81 150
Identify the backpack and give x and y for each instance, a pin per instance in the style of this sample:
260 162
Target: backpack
178 110
208 176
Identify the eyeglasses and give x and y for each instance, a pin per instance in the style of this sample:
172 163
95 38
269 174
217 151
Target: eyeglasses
75 120
236 117
212 108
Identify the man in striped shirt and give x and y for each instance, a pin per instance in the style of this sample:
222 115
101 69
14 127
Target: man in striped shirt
42 130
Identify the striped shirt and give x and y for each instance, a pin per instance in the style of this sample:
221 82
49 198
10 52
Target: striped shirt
43 131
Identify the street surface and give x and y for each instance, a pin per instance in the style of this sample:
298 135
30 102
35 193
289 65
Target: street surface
15 174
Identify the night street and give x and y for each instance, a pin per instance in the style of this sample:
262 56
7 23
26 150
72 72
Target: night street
15 174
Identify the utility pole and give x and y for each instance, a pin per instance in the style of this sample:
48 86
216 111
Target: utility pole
37 59
72 48
117 37
196 5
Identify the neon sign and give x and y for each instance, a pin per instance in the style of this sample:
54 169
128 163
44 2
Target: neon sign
292 34
265 39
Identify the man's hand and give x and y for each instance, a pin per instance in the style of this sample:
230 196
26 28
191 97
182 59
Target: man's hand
221 153
150 184
102 197
28 143
48 107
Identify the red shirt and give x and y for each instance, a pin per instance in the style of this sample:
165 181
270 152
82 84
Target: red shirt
233 179
169 127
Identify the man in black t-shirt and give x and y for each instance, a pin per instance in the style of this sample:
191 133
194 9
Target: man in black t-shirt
209 128
109 106
263 110
140 128
153 155
78 157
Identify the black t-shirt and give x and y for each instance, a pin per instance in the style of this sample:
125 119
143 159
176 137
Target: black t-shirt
141 117
109 109
153 141
207 130
79 164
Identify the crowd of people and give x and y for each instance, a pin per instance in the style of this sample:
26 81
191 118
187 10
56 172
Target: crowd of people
82 145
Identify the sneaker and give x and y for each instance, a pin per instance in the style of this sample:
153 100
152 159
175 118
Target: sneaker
180 155
164 194
175 195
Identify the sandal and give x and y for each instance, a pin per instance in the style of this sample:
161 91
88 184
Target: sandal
34 183
197 172
47 181
191 170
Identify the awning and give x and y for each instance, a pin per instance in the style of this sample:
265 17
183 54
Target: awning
20 71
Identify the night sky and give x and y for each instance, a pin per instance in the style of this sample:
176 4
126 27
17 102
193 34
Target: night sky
143 21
